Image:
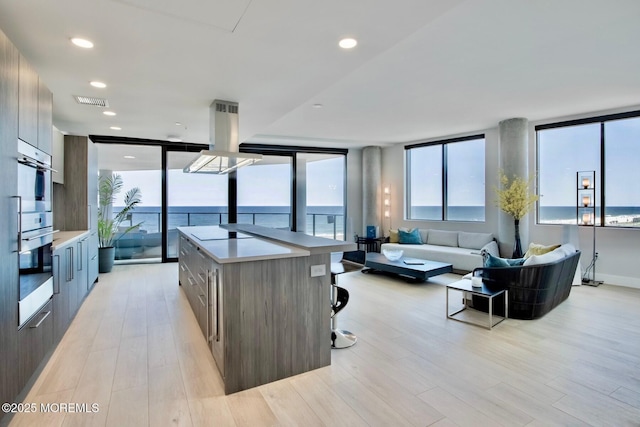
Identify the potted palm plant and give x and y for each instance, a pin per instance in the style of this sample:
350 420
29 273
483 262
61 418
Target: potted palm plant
108 224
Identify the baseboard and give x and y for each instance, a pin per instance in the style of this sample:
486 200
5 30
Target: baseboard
629 282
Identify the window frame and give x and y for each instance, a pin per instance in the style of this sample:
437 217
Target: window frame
444 196
602 120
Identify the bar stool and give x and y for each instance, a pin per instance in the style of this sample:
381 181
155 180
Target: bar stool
339 298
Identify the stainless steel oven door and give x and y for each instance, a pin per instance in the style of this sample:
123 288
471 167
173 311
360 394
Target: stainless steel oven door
34 178
36 230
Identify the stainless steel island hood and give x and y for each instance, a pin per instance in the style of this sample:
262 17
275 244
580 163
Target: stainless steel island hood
223 155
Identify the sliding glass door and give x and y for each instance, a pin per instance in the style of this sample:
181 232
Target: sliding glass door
139 166
264 193
324 193
192 198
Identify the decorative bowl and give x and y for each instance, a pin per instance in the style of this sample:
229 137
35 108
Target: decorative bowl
392 254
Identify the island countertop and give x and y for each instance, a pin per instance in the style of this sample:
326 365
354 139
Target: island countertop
240 247
313 244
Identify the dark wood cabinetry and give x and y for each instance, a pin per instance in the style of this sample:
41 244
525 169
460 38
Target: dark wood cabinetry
25 113
35 107
61 318
69 282
80 210
45 118
35 339
195 272
28 103
81 268
10 386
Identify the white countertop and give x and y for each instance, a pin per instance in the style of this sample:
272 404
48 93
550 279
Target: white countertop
313 244
225 251
63 238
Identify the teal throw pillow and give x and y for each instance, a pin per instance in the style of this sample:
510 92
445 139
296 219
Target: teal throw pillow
494 261
411 237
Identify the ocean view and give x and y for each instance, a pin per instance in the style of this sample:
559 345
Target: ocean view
620 216
324 221
328 221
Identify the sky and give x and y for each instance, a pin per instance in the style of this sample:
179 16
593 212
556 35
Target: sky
562 152
565 151
258 185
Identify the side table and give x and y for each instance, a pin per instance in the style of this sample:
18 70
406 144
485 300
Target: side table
464 286
370 244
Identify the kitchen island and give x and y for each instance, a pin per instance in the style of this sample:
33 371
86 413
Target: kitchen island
261 298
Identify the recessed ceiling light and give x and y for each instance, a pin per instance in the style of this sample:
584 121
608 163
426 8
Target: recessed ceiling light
129 157
178 124
348 43
98 84
115 128
108 113
83 43
318 105
174 139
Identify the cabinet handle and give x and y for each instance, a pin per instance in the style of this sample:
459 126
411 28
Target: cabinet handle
217 305
28 239
201 300
208 308
19 223
80 251
41 320
200 253
56 281
182 267
191 282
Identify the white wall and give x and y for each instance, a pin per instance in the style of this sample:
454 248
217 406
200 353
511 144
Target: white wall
618 249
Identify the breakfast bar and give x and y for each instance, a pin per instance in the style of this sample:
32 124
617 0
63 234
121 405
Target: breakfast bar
261 298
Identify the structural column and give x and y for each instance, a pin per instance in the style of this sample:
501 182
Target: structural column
371 180
514 149
301 195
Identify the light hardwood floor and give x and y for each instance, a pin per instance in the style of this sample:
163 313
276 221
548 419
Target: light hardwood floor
135 349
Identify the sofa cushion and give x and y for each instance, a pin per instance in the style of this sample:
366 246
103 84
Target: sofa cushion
568 249
424 234
411 237
538 249
473 240
494 261
555 255
393 236
443 238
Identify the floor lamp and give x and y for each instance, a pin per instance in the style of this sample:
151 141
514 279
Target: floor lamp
586 215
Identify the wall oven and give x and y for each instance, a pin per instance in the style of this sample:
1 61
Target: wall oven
34 178
35 230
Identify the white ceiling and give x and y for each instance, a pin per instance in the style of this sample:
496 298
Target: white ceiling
422 68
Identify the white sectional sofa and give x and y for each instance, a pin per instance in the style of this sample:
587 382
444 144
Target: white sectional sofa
459 248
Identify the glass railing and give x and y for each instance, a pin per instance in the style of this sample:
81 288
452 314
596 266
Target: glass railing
146 241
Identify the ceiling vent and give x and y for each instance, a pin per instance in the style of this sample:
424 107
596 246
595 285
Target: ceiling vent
89 100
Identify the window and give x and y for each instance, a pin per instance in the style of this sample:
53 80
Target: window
192 198
445 180
610 146
324 194
264 193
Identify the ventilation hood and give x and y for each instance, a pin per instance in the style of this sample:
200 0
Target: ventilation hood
223 155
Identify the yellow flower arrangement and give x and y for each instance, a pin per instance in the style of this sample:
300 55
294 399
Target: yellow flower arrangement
514 197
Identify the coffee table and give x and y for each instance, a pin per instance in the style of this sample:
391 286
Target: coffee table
415 268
